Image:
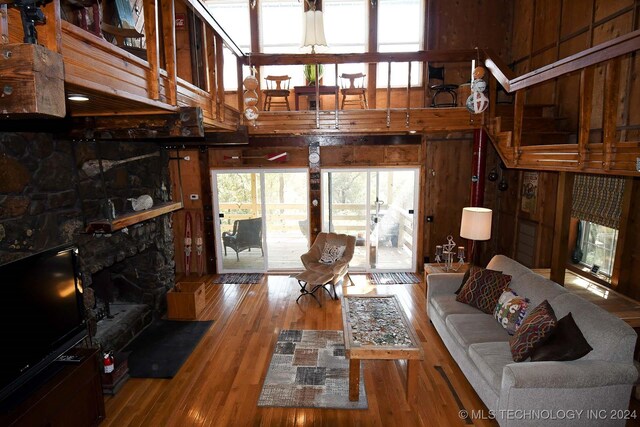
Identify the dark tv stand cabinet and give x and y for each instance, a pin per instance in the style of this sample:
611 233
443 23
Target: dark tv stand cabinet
72 397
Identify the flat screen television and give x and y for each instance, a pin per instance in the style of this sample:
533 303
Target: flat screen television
41 314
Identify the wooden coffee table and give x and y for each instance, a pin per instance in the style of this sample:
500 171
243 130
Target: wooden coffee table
376 327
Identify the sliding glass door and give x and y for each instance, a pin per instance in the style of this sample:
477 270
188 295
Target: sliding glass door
377 206
263 219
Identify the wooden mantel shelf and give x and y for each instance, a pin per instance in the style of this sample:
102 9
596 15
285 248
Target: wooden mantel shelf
106 226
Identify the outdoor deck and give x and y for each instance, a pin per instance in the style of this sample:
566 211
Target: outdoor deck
284 255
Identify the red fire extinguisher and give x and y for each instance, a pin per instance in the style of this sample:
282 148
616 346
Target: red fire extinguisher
108 362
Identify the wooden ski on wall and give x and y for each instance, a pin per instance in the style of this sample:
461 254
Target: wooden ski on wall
187 243
199 245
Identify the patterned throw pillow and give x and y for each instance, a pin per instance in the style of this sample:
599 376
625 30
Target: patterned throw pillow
483 288
331 253
533 332
510 310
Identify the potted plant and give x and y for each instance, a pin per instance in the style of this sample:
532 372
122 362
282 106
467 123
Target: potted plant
310 73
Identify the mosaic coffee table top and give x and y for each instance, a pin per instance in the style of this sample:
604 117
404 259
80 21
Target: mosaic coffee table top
376 327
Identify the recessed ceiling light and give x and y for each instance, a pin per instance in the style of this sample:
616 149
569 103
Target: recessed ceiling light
77 97
412 131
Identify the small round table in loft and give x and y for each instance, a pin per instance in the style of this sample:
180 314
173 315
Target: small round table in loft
315 280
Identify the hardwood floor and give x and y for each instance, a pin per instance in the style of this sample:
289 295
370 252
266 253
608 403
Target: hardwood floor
220 383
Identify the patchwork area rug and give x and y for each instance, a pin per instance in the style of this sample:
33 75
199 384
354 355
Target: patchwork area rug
393 278
161 349
308 370
238 278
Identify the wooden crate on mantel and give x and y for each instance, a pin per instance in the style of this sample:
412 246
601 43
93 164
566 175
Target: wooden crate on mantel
186 301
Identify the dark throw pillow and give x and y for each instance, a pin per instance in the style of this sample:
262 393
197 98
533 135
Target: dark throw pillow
565 343
464 279
483 288
533 332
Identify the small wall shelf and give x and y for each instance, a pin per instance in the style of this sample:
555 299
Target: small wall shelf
122 221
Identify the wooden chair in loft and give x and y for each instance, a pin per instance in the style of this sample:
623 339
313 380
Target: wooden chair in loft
439 89
276 87
353 85
122 32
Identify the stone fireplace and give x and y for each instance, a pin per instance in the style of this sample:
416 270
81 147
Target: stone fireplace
47 199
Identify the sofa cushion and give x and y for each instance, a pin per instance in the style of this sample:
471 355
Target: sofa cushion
483 289
469 329
331 253
534 331
447 304
510 310
536 288
490 358
565 343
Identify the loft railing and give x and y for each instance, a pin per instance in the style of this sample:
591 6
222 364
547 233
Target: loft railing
608 155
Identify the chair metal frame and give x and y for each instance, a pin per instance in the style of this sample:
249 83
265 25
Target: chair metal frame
437 73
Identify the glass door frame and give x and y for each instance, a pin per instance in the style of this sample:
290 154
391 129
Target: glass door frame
416 212
219 249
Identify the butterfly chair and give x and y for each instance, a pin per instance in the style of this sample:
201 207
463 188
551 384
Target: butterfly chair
436 74
340 267
246 234
353 85
277 87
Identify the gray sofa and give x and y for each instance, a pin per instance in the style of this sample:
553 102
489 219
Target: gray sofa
537 393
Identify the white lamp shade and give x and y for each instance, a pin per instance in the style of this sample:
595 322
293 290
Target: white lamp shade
313 31
476 224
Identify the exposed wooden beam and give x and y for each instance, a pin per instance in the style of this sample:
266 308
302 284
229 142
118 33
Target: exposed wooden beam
187 123
518 116
220 110
372 47
337 140
53 29
460 55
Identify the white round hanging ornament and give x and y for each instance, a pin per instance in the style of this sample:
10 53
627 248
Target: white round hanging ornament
477 102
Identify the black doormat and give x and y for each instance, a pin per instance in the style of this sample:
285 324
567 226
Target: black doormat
161 349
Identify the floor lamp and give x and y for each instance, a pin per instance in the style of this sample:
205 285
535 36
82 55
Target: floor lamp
475 225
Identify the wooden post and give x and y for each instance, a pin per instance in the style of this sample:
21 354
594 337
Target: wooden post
610 110
153 54
389 94
220 77
169 35
586 100
518 115
239 74
210 53
372 46
53 27
354 380
560 248
408 93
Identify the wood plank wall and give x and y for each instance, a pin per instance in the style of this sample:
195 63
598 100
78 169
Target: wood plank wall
543 32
